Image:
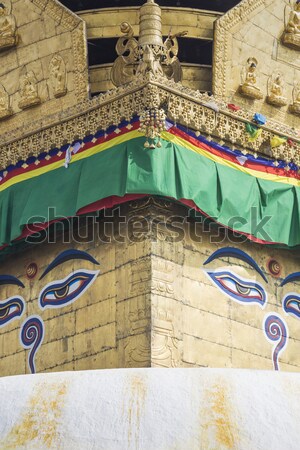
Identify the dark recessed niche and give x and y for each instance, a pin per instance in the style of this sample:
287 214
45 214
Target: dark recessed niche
212 5
195 51
191 50
102 51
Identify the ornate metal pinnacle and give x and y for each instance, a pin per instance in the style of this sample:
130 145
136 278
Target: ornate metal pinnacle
148 55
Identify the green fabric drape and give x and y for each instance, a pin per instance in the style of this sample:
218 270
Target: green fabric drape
233 198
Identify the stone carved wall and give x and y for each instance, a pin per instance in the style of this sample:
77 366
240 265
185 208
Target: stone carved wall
45 30
242 34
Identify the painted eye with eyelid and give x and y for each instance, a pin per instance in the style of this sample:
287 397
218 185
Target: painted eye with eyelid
291 304
59 293
11 309
238 289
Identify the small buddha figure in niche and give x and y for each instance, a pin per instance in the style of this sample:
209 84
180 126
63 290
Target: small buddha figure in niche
8 36
58 76
249 86
28 91
291 35
295 106
276 90
5 110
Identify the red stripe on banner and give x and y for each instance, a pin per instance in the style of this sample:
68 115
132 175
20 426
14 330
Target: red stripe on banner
248 164
113 201
192 205
108 203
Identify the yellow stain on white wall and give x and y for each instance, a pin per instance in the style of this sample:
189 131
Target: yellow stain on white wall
219 430
39 422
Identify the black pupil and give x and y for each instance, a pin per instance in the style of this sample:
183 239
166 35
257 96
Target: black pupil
4 312
243 289
59 293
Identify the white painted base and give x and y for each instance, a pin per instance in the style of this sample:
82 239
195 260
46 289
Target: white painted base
151 409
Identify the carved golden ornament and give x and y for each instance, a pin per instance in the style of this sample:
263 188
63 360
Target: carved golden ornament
125 66
138 352
295 106
8 35
79 45
148 55
150 25
249 86
140 318
31 270
28 91
150 201
5 109
274 267
184 105
276 90
164 345
291 35
58 76
153 123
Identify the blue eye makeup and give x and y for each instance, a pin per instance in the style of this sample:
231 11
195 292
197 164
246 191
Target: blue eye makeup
238 289
11 309
291 304
60 293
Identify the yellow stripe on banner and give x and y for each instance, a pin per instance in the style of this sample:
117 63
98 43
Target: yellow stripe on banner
79 156
219 160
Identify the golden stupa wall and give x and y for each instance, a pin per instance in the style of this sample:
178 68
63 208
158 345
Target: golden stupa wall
254 33
44 62
153 303
97 329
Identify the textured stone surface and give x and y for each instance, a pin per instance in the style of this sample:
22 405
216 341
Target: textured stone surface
151 409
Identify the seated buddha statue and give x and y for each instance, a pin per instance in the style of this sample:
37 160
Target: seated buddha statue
28 91
276 91
295 106
8 36
249 87
5 110
291 35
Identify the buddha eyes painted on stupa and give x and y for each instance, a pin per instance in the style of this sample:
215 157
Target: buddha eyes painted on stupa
68 290
245 291
291 301
231 272
235 286
55 294
238 289
13 307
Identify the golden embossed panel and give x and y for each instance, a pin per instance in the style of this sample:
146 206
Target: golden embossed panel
255 31
44 71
